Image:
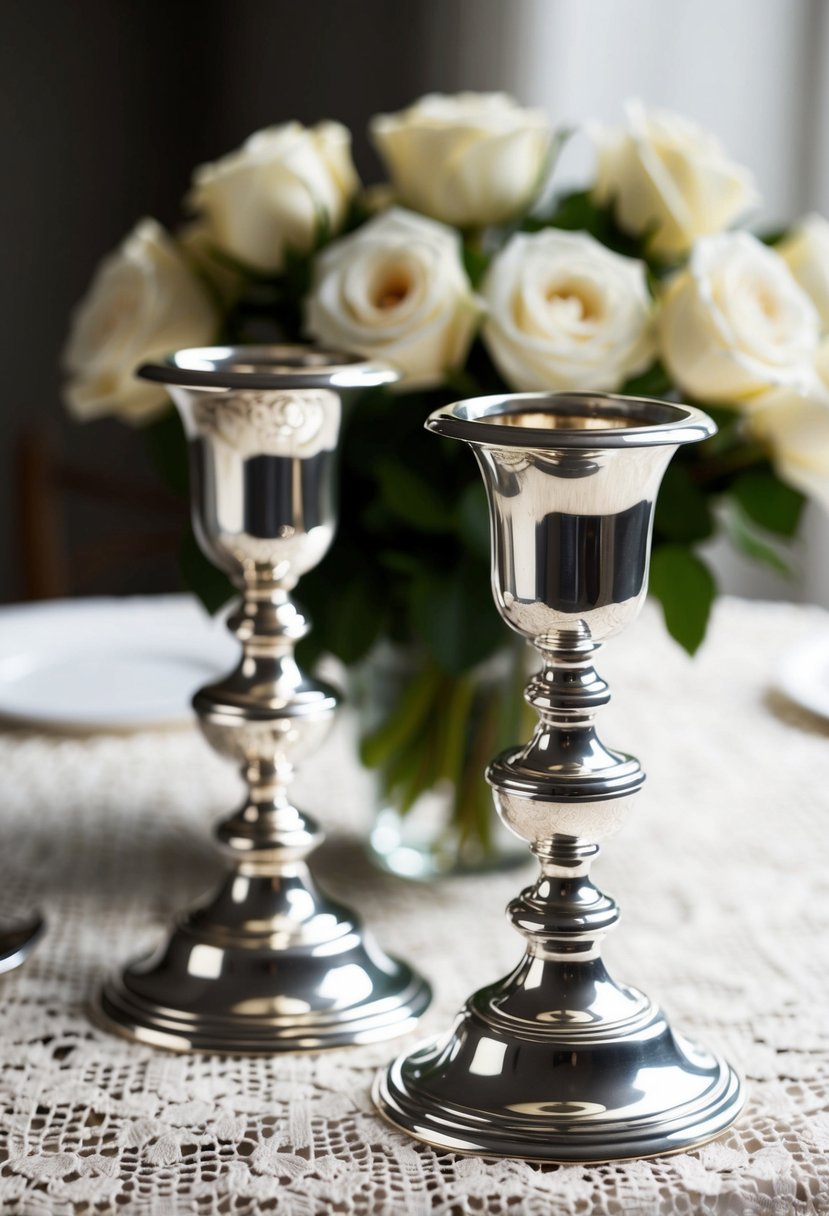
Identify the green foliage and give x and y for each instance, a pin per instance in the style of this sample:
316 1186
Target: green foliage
473 520
773 236
443 728
747 540
346 598
683 512
454 616
685 587
475 263
212 587
579 212
413 499
768 501
167 448
655 382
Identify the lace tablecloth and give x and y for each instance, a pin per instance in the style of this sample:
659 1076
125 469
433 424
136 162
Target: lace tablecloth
722 875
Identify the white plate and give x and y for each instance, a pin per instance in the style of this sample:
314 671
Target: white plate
108 664
804 675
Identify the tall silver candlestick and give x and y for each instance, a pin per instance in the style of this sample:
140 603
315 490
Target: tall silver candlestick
267 963
557 1061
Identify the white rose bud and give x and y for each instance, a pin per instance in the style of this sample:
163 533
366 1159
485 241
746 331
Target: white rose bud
396 287
276 192
669 179
469 160
564 312
735 323
144 302
796 427
806 253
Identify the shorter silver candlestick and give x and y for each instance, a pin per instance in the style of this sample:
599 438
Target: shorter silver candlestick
557 1061
268 963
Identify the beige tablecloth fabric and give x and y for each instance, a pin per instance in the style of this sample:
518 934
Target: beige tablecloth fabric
723 879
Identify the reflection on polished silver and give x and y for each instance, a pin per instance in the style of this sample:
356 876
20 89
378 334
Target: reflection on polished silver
557 1061
267 963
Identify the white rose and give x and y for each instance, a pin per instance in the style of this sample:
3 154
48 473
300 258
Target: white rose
564 312
226 282
796 427
276 191
822 362
469 160
397 288
667 177
144 302
735 323
806 253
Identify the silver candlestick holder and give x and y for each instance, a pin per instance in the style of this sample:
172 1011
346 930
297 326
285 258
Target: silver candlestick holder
267 963
557 1061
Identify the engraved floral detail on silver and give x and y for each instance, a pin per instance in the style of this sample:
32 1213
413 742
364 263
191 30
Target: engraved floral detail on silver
275 422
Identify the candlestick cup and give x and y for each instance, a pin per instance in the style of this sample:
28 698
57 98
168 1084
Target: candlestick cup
267 963
558 1061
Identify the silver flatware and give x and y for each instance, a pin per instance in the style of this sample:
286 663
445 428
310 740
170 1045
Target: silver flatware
18 941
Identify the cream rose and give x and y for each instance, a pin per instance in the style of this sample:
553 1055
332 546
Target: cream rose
564 312
796 427
144 302
276 191
735 324
396 287
226 281
469 160
806 253
667 177
822 362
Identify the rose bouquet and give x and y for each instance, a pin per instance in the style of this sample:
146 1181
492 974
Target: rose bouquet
469 275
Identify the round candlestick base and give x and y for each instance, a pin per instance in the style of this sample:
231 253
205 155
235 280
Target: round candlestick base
560 1094
222 983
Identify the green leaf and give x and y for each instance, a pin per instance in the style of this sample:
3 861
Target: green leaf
685 587
729 434
579 212
456 709
462 382
475 263
473 519
682 510
768 501
455 617
167 449
746 540
655 382
413 499
773 236
398 562
211 586
347 603
403 723
354 623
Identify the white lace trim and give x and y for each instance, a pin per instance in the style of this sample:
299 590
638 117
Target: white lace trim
721 874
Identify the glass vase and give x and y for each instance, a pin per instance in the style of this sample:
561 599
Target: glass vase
426 734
